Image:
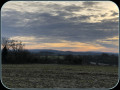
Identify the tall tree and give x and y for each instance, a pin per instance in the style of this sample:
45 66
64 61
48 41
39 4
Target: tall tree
5 47
5 43
8 44
14 45
4 54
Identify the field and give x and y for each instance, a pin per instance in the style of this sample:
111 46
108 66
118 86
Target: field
59 76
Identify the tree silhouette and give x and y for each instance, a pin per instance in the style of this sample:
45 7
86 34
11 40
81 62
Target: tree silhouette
8 46
4 54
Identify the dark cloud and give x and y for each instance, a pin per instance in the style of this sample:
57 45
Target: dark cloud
72 8
69 8
12 16
104 15
92 9
56 27
64 13
108 45
54 6
114 13
90 4
82 17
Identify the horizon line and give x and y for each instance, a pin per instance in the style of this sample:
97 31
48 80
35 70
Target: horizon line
72 51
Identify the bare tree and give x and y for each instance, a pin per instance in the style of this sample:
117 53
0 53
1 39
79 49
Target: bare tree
5 47
5 43
16 45
17 48
12 44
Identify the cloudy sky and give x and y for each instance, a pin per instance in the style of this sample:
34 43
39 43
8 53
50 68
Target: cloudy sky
62 25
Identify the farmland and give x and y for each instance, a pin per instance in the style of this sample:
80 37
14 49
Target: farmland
58 76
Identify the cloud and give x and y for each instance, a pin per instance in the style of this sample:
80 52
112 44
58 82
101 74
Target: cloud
23 38
80 18
109 42
53 22
114 13
68 45
73 8
90 4
104 15
48 25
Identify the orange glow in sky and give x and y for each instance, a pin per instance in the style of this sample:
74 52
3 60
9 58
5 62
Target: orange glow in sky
62 25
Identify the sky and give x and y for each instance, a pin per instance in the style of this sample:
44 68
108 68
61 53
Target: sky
62 25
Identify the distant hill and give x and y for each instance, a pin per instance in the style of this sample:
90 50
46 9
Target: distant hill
58 52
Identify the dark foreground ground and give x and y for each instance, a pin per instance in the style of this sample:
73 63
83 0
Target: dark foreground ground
59 76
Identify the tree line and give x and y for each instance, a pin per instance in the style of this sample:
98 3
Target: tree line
13 52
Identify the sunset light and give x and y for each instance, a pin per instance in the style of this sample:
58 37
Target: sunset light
65 26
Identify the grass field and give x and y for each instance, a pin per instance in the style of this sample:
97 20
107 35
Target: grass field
59 76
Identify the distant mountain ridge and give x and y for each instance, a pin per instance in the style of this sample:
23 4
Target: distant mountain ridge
58 52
